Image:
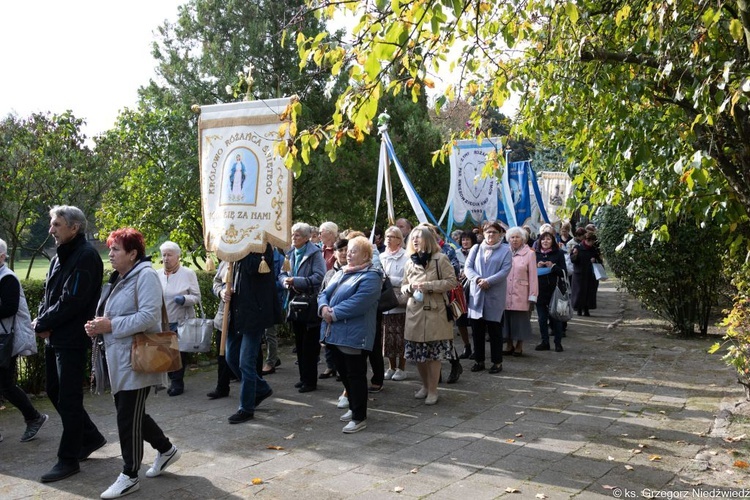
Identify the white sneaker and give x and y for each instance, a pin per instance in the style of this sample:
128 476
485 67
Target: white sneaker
388 374
124 485
163 461
354 426
399 374
343 403
346 417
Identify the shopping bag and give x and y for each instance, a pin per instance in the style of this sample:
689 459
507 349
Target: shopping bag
561 305
599 272
195 334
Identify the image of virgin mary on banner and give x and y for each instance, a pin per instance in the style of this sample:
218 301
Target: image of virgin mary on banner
246 190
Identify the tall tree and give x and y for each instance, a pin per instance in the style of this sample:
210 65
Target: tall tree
197 57
649 99
44 161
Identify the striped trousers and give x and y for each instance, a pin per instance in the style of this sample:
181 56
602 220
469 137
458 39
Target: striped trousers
135 426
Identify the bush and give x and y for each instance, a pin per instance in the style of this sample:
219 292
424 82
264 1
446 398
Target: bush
679 279
31 369
737 322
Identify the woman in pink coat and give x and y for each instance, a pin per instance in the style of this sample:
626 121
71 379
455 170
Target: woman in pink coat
521 292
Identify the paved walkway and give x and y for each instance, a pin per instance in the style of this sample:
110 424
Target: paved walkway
624 411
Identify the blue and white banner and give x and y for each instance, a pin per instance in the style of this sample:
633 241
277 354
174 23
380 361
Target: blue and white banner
472 194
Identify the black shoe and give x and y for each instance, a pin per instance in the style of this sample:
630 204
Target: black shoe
260 398
86 451
307 388
496 368
175 390
478 367
580 313
456 371
544 346
268 372
241 416
216 394
558 348
466 353
327 374
298 385
586 313
471 356
508 352
33 427
516 354
277 364
61 470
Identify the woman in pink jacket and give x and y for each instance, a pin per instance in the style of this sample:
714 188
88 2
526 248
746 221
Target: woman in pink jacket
521 292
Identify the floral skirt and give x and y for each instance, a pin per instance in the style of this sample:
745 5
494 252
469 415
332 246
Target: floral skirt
436 350
393 335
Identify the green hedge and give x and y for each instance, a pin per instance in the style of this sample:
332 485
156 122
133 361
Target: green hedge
31 369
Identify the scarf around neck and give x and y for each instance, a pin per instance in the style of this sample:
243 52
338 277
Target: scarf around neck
421 258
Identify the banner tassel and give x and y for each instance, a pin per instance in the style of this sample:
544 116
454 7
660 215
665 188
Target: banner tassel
263 267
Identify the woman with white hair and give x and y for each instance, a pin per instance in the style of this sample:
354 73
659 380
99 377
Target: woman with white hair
329 233
303 279
522 292
181 293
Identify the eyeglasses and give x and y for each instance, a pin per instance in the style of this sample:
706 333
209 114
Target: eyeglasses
393 236
492 232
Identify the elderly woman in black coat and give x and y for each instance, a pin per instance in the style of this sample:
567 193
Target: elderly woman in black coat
584 283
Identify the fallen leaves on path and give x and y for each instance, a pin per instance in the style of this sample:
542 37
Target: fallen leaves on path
256 481
290 436
398 489
735 439
654 458
274 447
512 490
741 464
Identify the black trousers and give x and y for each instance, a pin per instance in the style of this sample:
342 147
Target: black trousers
176 378
307 342
65 375
134 426
224 372
376 355
15 396
479 328
353 371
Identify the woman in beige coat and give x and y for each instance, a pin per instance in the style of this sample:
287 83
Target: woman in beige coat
428 333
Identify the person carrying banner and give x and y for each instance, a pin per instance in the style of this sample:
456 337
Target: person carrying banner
253 308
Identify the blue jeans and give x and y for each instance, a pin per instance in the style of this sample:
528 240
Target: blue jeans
242 357
542 312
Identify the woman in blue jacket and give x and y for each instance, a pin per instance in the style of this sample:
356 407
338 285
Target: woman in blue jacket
348 306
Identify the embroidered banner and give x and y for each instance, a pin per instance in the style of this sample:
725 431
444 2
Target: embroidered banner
556 188
246 191
472 194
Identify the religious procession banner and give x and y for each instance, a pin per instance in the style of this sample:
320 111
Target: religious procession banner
246 191
555 188
471 194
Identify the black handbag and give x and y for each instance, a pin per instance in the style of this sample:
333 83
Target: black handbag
388 299
303 307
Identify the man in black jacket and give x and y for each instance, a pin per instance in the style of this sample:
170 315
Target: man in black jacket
71 293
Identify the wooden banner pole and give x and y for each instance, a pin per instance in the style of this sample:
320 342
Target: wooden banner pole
225 319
